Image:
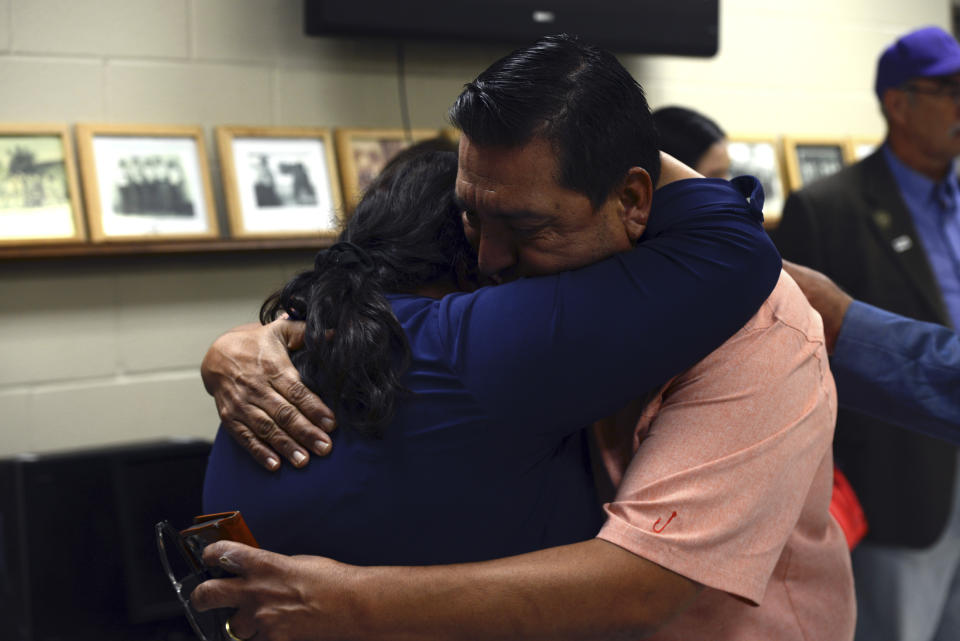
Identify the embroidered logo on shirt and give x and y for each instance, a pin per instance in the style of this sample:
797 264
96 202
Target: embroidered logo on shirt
664 525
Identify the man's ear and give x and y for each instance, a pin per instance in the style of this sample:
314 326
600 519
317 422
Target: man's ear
636 196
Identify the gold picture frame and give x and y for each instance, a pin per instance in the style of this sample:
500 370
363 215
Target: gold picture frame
859 147
760 156
808 159
39 194
280 181
363 153
146 183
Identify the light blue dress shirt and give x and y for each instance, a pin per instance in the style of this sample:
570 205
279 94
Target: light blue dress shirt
900 370
935 210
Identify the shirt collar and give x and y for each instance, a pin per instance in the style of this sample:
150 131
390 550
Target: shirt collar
916 186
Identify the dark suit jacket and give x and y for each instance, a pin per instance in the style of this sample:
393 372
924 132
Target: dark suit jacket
854 227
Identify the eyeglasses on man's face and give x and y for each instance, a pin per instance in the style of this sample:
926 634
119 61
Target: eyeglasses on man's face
939 88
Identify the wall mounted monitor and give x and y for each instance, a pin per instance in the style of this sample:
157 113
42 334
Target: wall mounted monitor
679 27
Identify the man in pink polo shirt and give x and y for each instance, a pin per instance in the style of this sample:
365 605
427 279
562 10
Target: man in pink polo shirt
720 529
704 490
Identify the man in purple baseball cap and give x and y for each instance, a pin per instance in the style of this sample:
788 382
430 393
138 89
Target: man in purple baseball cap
887 230
930 52
918 84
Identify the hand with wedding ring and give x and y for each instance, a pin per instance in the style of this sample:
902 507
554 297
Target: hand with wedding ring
278 597
229 631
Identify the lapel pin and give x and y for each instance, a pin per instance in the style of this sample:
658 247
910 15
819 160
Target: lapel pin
901 244
882 218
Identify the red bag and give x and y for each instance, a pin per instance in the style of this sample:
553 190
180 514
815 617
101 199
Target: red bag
845 508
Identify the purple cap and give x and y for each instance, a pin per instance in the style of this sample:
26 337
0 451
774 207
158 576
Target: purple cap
926 52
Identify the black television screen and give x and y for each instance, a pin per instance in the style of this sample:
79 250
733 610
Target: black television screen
681 27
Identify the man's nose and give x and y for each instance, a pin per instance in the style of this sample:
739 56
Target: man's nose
495 253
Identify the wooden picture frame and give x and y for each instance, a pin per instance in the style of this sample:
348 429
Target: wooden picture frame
452 134
146 183
280 181
859 147
364 152
759 156
808 159
39 197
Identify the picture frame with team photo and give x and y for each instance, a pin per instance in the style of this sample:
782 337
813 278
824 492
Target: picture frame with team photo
280 181
146 183
808 159
759 156
363 153
39 195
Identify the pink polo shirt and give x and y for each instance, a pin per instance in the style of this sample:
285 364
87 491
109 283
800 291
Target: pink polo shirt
731 481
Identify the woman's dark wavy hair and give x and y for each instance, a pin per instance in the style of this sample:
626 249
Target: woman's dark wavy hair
574 95
405 233
686 134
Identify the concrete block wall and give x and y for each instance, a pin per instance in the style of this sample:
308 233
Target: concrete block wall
797 68
103 350
107 350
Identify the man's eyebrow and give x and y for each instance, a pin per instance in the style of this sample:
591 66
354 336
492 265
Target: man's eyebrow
523 214
513 214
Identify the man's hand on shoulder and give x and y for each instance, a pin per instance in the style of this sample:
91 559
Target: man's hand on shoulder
825 297
260 398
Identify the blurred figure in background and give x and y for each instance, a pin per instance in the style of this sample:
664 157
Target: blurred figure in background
694 140
699 142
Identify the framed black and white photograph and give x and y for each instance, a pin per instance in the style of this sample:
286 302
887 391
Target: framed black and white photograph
280 181
146 182
39 200
760 157
808 159
363 153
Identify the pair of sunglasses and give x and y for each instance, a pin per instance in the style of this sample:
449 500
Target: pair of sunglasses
181 554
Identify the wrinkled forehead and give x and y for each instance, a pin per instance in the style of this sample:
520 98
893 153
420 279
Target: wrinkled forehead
517 174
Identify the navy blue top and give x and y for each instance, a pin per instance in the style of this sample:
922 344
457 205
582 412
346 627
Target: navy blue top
488 458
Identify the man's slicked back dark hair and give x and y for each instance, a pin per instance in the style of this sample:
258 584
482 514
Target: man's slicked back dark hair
577 97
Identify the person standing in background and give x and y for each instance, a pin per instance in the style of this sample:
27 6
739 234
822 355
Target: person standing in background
694 140
887 230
